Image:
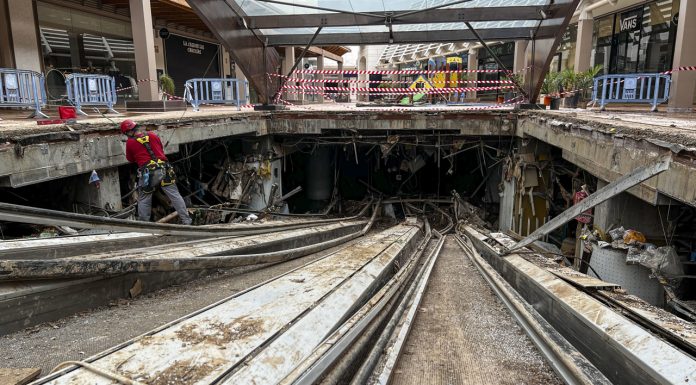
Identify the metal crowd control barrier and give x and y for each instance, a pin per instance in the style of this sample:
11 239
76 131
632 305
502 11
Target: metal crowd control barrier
91 90
216 91
23 88
631 88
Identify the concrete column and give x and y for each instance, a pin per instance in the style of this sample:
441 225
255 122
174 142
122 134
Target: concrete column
75 42
320 66
630 212
681 97
25 35
6 56
226 71
520 55
159 52
583 46
286 65
144 43
107 196
339 66
473 76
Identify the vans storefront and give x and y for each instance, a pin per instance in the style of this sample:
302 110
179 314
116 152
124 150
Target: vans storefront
638 39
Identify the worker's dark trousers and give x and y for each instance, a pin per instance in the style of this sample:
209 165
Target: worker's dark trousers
145 204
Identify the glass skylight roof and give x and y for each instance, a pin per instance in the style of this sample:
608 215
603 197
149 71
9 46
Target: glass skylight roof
295 22
260 8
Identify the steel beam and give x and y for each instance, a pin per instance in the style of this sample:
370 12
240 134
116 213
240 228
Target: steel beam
543 48
247 47
406 37
24 214
216 253
274 324
450 15
612 189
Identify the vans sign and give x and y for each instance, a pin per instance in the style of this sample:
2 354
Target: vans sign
629 23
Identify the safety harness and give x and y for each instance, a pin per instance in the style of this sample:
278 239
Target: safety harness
156 171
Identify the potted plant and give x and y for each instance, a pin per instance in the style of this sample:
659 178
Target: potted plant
550 87
568 81
585 83
166 84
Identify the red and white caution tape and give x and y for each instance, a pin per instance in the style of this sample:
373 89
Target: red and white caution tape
393 91
355 81
391 72
684 68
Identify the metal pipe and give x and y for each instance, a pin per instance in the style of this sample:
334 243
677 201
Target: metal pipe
366 369
560 354
26 214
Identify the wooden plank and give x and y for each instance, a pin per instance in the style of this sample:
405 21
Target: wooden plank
582 280
18 376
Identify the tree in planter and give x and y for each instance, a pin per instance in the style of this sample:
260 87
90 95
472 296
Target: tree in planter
586 81
166 84
550 87
568 81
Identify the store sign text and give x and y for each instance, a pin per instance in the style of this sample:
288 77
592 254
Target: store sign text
629 23
194 48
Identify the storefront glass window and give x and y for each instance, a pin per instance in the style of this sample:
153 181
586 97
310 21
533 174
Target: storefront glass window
658 35
603 34
565 57
506 54
637 40
627 30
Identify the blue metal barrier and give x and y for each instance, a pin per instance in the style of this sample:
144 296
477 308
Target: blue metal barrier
23 88
631 88
91 90
216 91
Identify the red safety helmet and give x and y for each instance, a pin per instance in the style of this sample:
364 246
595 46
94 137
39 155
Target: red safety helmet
127 126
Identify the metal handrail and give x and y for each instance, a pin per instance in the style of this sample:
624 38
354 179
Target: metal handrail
652 88
216 91
23 88
91 90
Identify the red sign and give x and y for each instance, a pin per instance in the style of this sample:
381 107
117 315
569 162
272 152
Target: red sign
585 217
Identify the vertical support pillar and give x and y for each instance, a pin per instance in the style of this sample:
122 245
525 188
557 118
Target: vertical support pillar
520 61
339 66
226 70
286 65
681 98
6 56
320 67
25 35
75 50
472 64
144 42
583 47
507 205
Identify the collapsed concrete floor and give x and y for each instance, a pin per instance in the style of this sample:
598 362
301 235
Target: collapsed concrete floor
499 170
